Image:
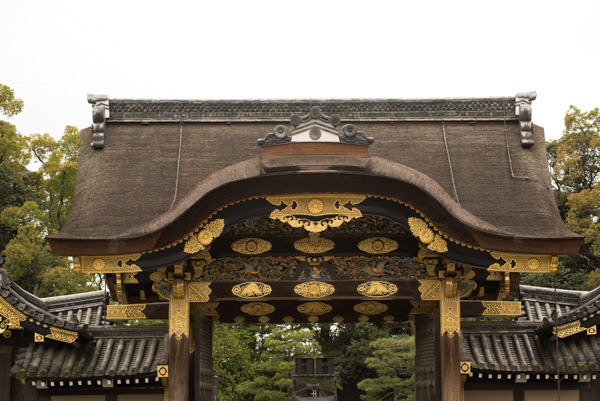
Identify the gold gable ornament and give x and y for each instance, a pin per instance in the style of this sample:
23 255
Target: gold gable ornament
303 209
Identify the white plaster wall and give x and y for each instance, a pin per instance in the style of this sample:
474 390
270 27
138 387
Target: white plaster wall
490 395
551 395
141 397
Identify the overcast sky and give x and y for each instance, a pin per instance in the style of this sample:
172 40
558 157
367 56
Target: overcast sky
55 52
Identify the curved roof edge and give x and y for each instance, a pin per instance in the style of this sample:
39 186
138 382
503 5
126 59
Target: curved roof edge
248 179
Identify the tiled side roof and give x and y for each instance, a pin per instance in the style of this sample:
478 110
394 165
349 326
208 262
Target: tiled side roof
539 304
88 308
275 110
35 308
115 351
516 347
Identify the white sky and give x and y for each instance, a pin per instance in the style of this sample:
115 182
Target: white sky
52 53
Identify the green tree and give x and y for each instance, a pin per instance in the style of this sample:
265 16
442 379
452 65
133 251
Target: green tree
34 204
233 358
574 161
393 361
349 345
275 366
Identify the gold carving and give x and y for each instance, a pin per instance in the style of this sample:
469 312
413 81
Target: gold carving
449 309
12 315
370 308
38 338
251 246
129 278
159 275
314 289
162 371
314 244
264 319
300 207
566 330
377 289
423 307
314 308
288 319
125 312
495 276
501 308
201 260
199 291
66 336
378 245
257 308
206 308
430 290
110 264
438 245
388 318
239 319
179 310
77 265
465 368
199 241
519 263
426 235
592 331
363 318
251 290
313 319
338 319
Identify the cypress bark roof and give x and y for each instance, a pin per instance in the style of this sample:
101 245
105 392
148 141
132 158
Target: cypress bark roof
142 181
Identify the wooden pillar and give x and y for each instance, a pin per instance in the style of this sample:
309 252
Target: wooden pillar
5 378
179 327
203 359
427 359
450 340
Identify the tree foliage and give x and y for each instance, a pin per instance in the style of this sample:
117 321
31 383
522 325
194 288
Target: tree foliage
35 204
574 161
394 363
275 365
234 357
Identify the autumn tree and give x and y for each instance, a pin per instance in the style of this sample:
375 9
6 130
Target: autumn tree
574 161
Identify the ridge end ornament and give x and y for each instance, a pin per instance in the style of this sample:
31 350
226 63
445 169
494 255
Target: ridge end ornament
251 246
203 238
378 245
252 289
302 211
314 289
377 289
